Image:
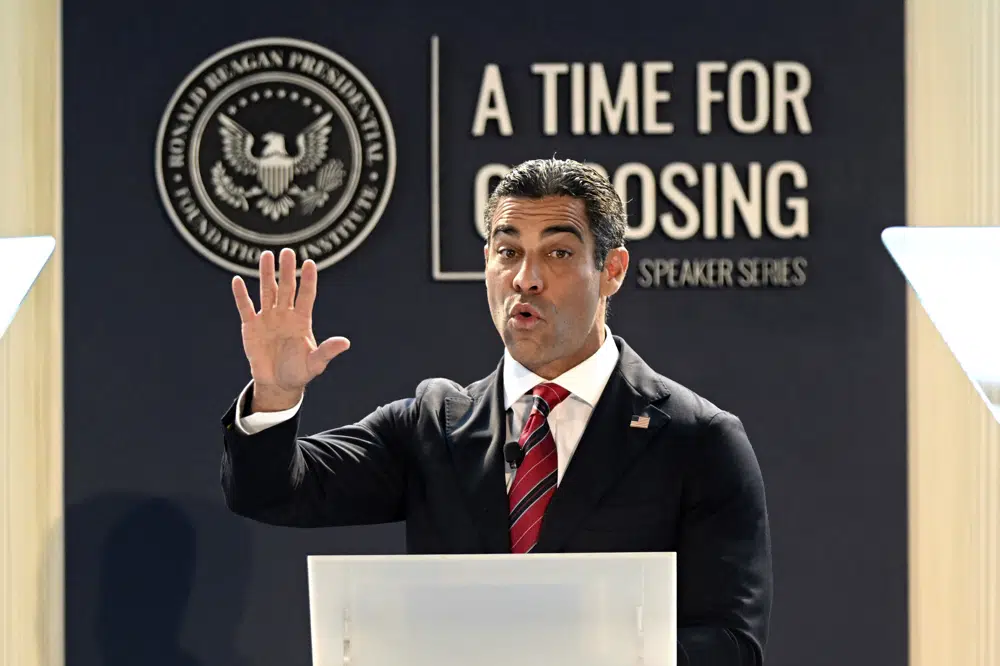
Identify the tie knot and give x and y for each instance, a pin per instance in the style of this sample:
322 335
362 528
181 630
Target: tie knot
550 394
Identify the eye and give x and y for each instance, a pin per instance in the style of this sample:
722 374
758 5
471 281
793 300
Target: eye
506 252
562 254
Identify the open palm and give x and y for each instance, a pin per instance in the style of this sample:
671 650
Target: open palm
278 339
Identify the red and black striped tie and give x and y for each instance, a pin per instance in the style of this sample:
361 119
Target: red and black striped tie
535 480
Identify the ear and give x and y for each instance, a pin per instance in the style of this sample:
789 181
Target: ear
615 268
486 253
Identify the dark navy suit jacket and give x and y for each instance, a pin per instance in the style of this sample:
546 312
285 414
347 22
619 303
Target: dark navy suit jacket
689 483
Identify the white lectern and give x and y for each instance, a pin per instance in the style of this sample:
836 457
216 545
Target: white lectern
614 609
21 260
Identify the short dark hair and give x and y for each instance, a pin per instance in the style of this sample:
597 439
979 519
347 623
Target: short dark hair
551 177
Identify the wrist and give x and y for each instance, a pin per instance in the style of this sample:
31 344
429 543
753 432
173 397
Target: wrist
265 398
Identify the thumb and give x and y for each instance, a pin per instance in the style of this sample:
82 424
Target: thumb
326 352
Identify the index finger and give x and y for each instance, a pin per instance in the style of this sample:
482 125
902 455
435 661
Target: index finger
307 288
243 302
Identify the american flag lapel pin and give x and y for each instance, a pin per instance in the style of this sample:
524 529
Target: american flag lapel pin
639 421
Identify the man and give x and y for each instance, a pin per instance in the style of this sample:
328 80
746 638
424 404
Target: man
609 455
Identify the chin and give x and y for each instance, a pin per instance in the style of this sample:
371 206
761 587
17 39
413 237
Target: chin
518 345
528 352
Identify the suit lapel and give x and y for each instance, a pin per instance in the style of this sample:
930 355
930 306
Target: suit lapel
609 446
475 428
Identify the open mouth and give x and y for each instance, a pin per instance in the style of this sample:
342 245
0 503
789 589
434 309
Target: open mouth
524 316
524 313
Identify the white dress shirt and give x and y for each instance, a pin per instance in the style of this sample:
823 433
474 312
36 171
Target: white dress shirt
567 420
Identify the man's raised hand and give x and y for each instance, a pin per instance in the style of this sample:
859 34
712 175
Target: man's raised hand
278 340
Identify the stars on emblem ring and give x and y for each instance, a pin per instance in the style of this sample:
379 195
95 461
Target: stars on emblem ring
245 100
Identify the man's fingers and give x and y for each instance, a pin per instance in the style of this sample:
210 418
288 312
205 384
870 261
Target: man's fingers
286 278
243 302
268 285
307 288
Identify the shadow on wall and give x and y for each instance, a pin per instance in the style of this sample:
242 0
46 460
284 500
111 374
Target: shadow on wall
153 581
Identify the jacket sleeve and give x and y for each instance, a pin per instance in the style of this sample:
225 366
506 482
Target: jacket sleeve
350 475
724 578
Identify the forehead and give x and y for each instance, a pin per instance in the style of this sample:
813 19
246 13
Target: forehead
535 215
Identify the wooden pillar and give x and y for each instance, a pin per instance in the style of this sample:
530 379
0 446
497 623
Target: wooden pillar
31 499
953 163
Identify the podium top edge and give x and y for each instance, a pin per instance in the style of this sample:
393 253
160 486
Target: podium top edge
40 240
889 234
495 557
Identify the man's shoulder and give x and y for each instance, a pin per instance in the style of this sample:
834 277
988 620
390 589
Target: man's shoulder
433 392
438 388
432 398
709 435
686 406
691 413
686 401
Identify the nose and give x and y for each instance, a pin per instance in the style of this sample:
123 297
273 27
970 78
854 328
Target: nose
528 277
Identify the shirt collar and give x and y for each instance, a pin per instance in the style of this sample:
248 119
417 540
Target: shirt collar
586 380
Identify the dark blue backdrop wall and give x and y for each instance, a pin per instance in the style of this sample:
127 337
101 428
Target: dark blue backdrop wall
760 147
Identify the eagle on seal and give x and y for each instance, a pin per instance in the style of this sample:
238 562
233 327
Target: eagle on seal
275 169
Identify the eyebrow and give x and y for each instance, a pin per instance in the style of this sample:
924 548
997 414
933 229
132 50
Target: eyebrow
551 230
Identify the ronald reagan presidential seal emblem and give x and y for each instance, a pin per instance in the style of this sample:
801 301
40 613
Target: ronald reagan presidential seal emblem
275 143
